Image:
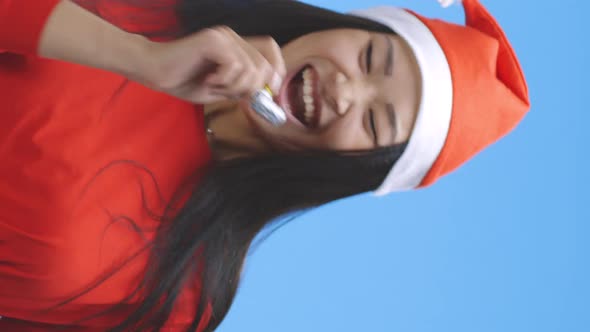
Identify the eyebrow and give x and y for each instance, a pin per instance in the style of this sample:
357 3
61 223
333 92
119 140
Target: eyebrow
392 119
389 57
389 72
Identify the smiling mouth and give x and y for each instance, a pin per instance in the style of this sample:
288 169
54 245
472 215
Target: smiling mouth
302 97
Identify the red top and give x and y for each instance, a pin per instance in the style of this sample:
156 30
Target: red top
60 125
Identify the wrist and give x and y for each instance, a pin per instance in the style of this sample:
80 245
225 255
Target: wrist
132 58
148 64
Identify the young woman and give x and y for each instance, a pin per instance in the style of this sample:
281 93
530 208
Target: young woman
135 175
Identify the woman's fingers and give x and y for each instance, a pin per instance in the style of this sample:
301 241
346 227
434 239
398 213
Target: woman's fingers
231 61
213 64
271 51
248 65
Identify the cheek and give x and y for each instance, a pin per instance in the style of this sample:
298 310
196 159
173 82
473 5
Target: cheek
339 49
253 119
344 139
281 138
342 136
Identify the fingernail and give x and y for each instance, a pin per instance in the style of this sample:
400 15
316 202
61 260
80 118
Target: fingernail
276 83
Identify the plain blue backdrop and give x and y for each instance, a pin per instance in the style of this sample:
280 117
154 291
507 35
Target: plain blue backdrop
500 245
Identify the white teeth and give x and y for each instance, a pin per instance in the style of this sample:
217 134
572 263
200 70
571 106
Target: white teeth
306 74
308 95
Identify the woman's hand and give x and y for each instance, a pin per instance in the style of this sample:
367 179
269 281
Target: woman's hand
212 65
207 66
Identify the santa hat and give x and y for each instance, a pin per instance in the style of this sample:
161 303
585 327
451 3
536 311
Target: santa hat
473 91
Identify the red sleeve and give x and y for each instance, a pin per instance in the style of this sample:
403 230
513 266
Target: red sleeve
155 19
21 24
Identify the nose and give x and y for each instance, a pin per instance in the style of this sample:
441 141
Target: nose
342 92
337 92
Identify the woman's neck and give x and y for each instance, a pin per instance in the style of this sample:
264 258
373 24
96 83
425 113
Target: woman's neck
230 134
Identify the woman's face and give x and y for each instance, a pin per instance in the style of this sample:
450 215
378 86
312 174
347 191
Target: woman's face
345 89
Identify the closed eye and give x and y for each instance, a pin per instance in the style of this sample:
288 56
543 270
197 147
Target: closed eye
372 123
368 59
368 56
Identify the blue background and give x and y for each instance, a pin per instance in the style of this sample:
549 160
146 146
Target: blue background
500 245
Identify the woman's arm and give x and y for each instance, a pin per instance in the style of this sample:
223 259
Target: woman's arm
207 66
73 34
62 30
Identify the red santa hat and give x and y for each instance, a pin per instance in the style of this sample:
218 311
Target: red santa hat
473 91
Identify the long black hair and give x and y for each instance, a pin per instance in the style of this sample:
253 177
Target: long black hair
209 237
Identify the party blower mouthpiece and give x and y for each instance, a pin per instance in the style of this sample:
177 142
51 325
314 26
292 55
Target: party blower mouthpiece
263 104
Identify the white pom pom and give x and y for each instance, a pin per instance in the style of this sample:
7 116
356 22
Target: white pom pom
446 3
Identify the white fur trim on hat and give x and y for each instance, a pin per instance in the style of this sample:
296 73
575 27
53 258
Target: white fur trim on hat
446 3
434 112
